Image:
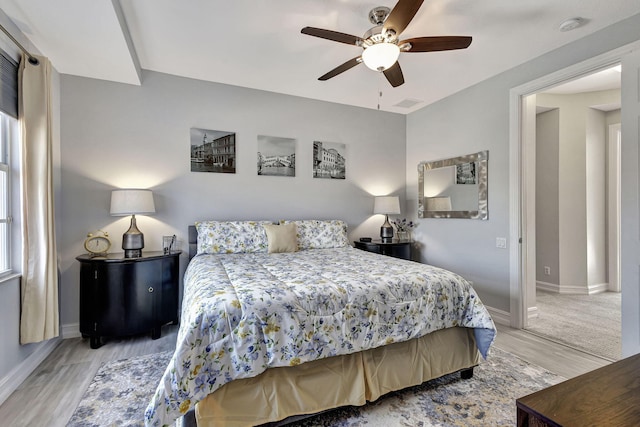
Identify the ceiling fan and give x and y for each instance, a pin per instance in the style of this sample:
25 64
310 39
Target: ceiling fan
382 45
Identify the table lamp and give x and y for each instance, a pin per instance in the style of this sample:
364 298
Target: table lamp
386 205
131 202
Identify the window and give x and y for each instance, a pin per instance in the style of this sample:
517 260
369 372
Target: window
8 151
7 126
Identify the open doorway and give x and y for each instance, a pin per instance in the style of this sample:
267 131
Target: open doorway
586 262
575 294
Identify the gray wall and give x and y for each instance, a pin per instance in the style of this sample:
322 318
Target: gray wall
117 135
547 203
465 124
475 119
581 199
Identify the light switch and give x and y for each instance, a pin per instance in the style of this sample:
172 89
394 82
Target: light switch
501 242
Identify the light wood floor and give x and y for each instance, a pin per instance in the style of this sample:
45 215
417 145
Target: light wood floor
49 396
557 358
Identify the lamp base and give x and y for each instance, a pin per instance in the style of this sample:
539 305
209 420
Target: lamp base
386 231
133 240
132 253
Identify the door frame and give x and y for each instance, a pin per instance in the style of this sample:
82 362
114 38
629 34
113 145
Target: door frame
522 176
613 206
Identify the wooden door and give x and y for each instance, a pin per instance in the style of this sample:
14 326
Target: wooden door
141 283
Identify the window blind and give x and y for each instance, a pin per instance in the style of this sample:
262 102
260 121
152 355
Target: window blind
8 85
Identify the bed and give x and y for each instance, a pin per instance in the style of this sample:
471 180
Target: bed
282 320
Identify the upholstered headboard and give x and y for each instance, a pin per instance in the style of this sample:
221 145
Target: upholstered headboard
193 241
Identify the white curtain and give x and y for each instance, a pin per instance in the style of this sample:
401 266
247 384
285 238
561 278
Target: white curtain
39 299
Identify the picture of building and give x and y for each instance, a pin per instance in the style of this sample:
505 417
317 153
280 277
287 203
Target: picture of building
213 151
328 160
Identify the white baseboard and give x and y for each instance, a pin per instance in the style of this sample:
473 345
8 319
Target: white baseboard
71 330
500 316
599 288
572 289
20 372
549 287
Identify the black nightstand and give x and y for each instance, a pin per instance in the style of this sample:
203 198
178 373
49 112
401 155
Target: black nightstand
395 248
127 296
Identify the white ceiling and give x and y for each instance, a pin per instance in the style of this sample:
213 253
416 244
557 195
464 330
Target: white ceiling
258 44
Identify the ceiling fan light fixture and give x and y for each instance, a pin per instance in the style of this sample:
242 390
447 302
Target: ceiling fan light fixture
382 44
381 56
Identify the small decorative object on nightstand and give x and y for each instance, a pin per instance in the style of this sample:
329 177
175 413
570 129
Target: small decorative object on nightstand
98 243
391 247
168 244
122 296
404 228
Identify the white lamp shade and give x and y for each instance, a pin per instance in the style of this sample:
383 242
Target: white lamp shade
132 202
381 56
386 205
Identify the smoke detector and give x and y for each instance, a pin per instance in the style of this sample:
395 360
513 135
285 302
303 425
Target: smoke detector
571 24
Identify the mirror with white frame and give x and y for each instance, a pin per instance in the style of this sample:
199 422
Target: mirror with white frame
454 188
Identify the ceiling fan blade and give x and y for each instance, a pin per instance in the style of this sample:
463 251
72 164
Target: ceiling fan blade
432 44
394 75
332 35
341 68
401 15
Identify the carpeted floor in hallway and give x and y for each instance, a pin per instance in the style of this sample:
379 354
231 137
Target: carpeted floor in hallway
586 322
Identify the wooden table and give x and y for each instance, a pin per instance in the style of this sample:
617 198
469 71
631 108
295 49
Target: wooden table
609 396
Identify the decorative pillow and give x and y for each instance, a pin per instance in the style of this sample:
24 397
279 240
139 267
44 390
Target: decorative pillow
282 238
231 237
318 234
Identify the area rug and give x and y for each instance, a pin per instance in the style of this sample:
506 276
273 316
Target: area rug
590 323
121 390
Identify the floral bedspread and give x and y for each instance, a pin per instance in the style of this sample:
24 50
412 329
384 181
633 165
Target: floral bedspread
244 313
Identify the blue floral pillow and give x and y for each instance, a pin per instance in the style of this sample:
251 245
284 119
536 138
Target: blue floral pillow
231 237
319 234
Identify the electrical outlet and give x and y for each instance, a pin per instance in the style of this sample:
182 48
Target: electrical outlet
547 271
501 242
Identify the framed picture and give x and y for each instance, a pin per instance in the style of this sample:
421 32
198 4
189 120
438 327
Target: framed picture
329 160
276 156
466 173
213 151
